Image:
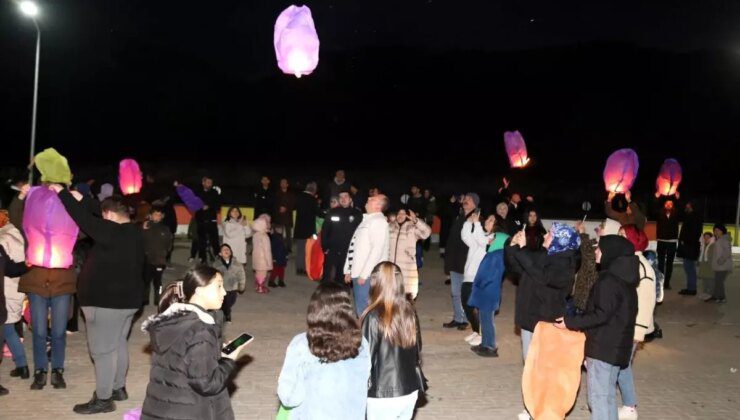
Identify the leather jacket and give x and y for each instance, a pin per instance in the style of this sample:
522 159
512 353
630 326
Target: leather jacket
394 369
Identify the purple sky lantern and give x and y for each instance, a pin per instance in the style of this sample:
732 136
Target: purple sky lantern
296 41
516 149
50 232
188 197
669 177
620 171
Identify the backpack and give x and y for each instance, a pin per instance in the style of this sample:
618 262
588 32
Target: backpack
652 257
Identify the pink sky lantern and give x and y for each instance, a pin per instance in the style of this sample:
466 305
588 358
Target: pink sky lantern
129 176
50 232
620 171
516 149
296 41
669 177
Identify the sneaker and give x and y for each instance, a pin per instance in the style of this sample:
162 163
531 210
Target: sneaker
20 372
39 380
3 391
281 283
455 324
627 413
471 336
447 282
95 406
271 283
119 394
721 300
524 415
57 379
484 351
476 340
686 292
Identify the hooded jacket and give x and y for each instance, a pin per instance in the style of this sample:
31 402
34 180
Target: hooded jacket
12 242
609 320
722 254
235 279
188 377
261 248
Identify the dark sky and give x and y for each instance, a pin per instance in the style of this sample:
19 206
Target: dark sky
166 80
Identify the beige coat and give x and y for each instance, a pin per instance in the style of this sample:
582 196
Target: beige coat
261 250
235 235
12 240
403 250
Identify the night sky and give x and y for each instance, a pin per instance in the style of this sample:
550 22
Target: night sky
407 83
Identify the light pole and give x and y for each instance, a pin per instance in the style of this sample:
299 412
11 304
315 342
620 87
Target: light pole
30 9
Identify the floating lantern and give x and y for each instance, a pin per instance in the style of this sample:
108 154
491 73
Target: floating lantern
516 149
192 201
50 232
669 177
129 176
620 171
296 41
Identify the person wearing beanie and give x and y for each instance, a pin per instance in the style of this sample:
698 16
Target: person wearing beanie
106 190
609 322
644 321
456 254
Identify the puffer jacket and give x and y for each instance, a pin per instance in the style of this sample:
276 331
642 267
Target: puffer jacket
235 279
403 250
477 240
645 299
527 303
261 248
722 254
609 320
188 377
12 241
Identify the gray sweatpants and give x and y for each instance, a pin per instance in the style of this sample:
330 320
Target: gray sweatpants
107 339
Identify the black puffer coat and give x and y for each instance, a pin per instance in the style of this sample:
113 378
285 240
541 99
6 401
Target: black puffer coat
609 320
188 377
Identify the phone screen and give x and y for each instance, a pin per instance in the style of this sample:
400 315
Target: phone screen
237 342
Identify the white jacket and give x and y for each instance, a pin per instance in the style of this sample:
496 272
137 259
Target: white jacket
14 244
645 299
369 246
477 241
235 235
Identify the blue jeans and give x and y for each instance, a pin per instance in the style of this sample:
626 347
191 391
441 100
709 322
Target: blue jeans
361 293
689 267
602 389
626 382
15 345
488 328
40 307
456 281
526 339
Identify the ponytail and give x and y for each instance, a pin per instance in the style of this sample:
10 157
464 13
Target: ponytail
181 291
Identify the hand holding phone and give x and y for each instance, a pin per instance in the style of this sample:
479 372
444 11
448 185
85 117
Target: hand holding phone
233 349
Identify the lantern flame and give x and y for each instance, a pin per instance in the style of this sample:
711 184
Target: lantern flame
296 41
516 149
669 177
129 176
50 232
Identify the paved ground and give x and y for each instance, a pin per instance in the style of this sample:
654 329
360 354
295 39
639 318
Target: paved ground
687 375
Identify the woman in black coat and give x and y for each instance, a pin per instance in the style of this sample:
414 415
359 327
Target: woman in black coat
189 372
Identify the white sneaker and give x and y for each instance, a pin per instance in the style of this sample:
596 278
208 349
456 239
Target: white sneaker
627 413
476 340
524 415
471 336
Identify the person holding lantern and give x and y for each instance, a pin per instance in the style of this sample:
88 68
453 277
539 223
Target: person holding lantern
110 292
622 209
667 234
206 219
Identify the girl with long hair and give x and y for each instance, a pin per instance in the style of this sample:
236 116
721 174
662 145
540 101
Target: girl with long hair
391 328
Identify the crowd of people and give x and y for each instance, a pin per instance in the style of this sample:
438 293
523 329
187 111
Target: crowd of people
362 345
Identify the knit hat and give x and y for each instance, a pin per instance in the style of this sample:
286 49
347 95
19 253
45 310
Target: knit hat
473 196
564 238
53 167
613 247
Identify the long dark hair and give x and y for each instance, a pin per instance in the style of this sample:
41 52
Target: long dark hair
388 299
228 213
194 278
333 329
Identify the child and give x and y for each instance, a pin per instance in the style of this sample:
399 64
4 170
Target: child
157 244
235 280
279 257
261 253
705 264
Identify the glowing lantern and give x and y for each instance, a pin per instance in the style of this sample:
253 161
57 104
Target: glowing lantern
620 171
669 177
516 149
129 176
50 232
296 41
192 201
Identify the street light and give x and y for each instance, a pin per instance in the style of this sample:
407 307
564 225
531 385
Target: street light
30 9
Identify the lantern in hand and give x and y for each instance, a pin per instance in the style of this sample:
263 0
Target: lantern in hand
188 197
516 149
668 178
620 171
129 176
296 41
50 232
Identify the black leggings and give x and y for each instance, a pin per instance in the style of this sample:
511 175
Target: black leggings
470 312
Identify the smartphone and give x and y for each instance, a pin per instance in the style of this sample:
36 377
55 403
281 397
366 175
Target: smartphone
237 342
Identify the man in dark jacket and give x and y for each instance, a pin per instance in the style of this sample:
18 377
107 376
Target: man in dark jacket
456 253
609 322
109 290
264 198
307 208
207 219
283 215
157 243
339 226
688 247
667 235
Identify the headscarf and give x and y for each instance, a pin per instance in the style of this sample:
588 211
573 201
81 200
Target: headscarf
564 238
